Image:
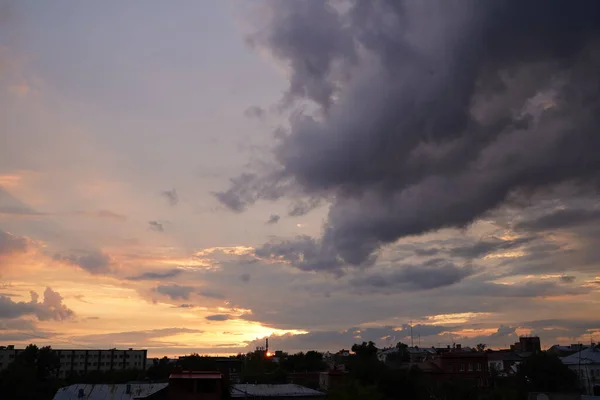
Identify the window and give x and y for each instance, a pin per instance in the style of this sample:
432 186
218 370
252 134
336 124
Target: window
462 367
470 367
478 367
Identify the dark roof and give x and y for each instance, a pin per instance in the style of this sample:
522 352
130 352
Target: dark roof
196 375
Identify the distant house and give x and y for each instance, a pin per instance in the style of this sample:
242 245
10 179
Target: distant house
586 364
332 379
274 392
563 351
458 365
134 391
503 362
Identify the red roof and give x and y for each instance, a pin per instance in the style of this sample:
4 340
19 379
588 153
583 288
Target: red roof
196 375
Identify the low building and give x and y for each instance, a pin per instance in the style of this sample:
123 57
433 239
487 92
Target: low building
586 364
274 392
134 391
332 379
458 365
81 361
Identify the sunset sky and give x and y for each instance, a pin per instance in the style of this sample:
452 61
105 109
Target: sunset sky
195 176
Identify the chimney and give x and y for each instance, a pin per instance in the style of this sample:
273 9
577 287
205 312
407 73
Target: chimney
458 347
267 344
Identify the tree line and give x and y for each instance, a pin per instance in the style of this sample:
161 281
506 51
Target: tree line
34 375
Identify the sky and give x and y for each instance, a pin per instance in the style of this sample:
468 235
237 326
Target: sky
198 176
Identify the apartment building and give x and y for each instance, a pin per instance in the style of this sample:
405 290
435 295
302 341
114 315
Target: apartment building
82 361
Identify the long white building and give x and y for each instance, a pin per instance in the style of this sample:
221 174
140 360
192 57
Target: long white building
81 362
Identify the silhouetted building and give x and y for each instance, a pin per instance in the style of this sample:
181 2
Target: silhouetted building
195 385
527 344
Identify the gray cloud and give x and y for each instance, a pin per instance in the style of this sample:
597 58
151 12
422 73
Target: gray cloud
156 226
175 292
432 251
302 207
146 276
485 247
19 210
255 112
94 262
431 275
567 279
51 308
217 317
561 219
528 289
104 214
171 196
211 294
302 252
245 277
424 131
12 244
273 219
110 215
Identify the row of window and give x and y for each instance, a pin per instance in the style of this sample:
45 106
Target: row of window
101 364
94 363
105 356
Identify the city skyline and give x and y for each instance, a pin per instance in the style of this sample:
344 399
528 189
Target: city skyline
195 178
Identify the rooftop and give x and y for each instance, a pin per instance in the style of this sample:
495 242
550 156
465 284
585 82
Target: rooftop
196 375
591 355
109 392
285 390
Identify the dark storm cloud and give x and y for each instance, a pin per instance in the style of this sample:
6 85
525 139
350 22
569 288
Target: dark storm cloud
51 308
431 275
171 196
12 244
311 38
94 262
423 129
255 112
156 226
273 219
217 317
561 219
146 276
175 292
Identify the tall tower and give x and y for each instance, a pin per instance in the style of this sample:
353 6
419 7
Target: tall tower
266 345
